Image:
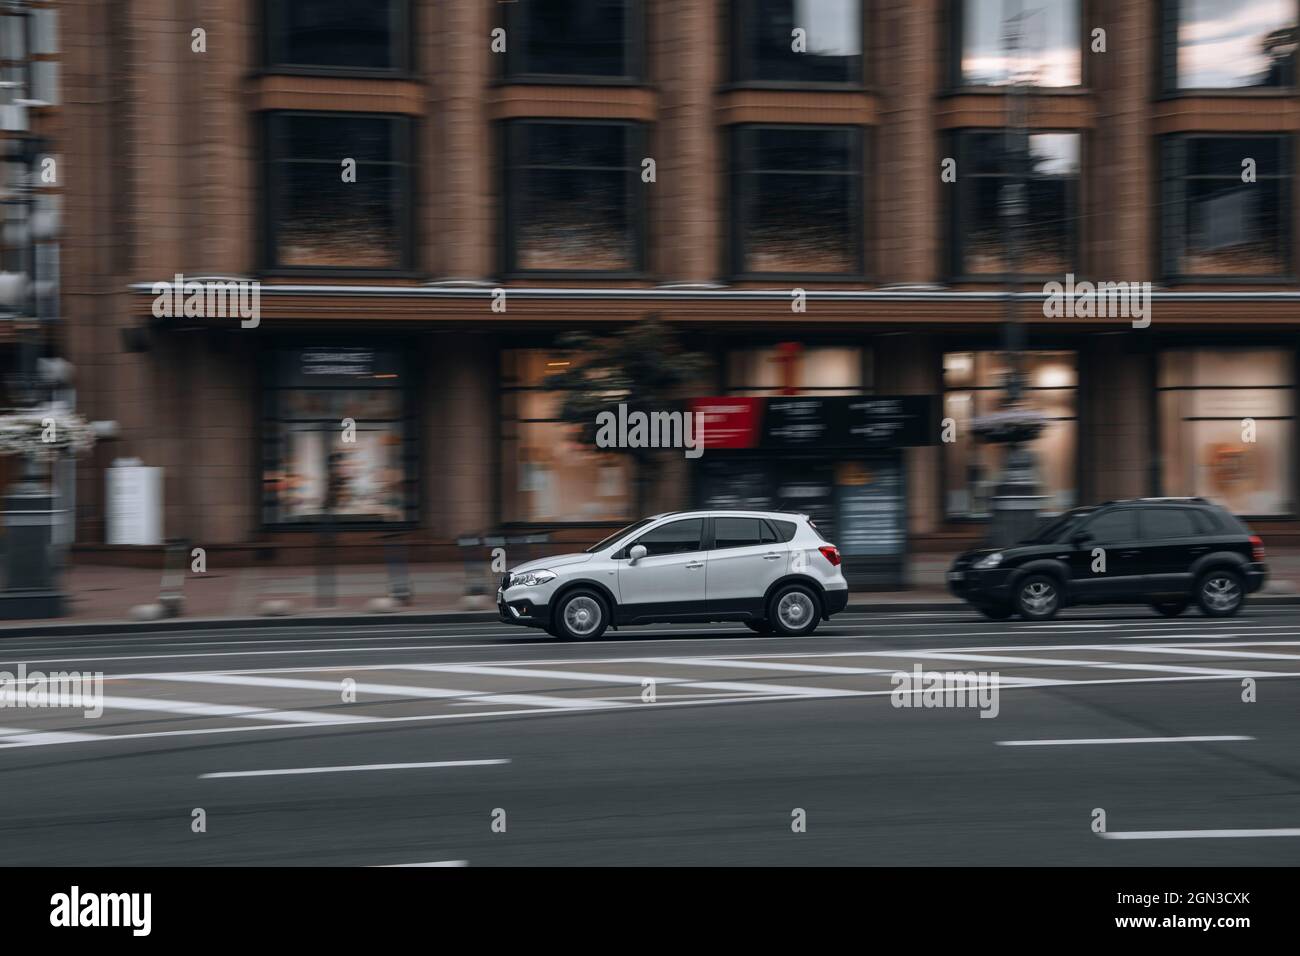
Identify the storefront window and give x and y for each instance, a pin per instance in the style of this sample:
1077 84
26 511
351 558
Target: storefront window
337 441
782 369
1227 427
548 474
974 385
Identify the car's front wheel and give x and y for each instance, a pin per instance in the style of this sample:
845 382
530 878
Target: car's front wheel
1170 608
1038 598
581 616
794 611
1220 593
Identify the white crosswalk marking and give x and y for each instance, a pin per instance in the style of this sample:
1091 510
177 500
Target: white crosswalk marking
189 708
1104 665
385 690
14 737
638 680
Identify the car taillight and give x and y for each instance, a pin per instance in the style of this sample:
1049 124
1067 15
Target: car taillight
1256 547
831 554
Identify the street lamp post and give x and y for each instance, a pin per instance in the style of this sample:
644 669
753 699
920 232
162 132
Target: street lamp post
1016 499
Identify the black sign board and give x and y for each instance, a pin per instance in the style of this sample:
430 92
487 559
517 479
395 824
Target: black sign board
849 422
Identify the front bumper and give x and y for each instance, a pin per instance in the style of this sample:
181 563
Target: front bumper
522 611
991 586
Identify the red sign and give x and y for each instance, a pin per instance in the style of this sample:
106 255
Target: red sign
730 422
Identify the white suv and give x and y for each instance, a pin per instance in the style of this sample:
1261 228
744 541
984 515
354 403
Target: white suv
771 570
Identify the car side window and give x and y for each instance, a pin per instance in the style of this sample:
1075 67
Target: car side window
676 537
767 533
1167 523
785 529
1114 526
736 533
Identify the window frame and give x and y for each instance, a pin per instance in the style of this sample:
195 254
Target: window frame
1172 232
515 22
637 143
861 202
704 541
740 65
956 39
955 246
268 198
403 45
1167 49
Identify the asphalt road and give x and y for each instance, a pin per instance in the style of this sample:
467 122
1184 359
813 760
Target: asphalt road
487 745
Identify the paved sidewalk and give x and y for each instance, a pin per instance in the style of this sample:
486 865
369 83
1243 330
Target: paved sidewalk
108 594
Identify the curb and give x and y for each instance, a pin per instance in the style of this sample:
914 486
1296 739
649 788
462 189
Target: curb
172 625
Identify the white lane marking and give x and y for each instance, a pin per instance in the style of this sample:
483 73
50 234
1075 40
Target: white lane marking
1065 662
354 768
1199 834
1119 740
638 680
763 699
16 737
389 690
766 665
199 709
1206 652
434 863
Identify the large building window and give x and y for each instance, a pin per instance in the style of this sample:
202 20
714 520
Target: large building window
1228 426
790 368
1048 239
316 219
317 470
1216 224
574 197
338 35
974 384
599 39
1229 44
769 50
1049 52
548 474
797 205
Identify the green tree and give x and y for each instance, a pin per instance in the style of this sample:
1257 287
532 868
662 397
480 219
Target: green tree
643 366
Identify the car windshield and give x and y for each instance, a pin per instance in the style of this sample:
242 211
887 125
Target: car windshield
1057 528
623 533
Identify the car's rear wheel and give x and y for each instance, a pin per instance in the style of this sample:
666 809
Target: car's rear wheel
995 612
1038 598
1170 608
1220 593
794 611
759 627
581 616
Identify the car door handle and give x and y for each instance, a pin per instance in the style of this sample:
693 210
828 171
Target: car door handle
1129 554
771 557
692 567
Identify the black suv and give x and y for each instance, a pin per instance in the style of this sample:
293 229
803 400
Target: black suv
1165 552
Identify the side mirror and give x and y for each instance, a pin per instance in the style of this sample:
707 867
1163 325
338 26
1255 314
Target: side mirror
1080 538
637 553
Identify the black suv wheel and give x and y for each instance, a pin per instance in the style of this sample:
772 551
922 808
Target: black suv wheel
1220 593
794 611
581 616
1038 597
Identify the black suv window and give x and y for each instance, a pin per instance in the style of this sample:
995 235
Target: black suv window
737 532
1113 526
675 537
1168 523
785 529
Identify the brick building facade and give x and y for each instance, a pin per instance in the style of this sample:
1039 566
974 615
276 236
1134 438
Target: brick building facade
482 169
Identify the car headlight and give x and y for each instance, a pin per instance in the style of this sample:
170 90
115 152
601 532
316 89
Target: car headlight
991 561
530 579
